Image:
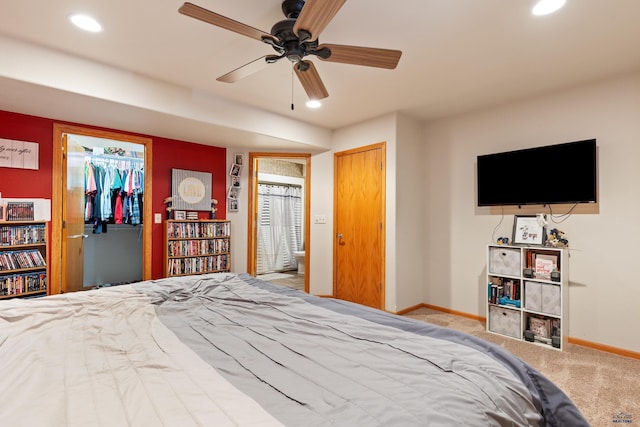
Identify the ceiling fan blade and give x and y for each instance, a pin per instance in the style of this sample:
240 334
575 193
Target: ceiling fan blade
197 12
367 56
244 71
310 79
314 17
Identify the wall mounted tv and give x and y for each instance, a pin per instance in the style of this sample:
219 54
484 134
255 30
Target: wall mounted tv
561 173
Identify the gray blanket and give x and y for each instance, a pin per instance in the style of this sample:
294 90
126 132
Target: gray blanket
313 362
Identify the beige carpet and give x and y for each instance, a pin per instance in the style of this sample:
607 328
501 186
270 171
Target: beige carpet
605 387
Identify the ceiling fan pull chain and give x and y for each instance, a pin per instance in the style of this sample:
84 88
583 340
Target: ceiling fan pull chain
292 89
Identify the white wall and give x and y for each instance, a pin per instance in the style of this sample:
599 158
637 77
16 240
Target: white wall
410 194
604 290
440 206
381 129
239 220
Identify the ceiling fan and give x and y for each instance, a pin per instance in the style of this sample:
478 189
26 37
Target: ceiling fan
296 37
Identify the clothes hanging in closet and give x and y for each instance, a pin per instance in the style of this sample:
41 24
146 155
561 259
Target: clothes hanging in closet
114 192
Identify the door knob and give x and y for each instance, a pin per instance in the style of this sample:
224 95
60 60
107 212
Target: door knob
339 235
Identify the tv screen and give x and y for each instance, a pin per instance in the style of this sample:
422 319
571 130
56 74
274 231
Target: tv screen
561 173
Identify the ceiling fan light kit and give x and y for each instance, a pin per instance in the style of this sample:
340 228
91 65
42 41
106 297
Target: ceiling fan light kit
295 38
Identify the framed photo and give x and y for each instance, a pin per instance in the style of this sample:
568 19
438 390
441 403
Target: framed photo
527 230
182 215
239 159
234 193
235 170
235 181
233 205
540 327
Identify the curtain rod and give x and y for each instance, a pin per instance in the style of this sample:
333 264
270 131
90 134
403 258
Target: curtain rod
282 184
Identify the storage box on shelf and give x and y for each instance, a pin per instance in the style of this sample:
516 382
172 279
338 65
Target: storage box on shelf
527 294
197 247
23 259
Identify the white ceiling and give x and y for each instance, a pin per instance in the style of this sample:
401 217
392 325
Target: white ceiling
161 66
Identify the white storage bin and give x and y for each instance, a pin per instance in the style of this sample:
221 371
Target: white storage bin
542 297
505 261
551 299
505 321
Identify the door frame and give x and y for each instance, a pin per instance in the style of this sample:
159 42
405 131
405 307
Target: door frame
383 168
252 238
57 275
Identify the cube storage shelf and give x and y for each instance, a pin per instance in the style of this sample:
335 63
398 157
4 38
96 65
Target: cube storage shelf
23 259
527 293
197 247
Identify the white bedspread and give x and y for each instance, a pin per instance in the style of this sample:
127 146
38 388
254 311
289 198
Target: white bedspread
70 360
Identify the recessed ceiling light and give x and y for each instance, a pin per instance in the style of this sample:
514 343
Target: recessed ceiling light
545 7
314 103
85 22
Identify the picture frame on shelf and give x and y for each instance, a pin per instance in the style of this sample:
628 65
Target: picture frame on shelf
540 327
527 230
180 215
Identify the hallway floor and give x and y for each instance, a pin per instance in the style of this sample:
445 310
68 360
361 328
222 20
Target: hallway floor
289 279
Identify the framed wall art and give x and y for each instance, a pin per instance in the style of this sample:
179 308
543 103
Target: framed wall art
190 190
527 230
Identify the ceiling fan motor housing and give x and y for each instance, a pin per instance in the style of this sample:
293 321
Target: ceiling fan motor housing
289 45
292 8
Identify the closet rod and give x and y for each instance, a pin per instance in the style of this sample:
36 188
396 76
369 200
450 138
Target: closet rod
115 157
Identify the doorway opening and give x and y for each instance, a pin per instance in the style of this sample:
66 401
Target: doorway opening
278 243
101 203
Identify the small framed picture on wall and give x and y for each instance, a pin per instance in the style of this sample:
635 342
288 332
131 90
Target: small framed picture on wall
235 170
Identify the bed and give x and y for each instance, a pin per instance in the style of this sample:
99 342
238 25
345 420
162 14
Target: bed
229 349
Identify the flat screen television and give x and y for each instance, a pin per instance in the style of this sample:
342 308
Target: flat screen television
560 173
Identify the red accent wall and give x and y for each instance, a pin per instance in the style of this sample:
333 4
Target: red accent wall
25 182
167 154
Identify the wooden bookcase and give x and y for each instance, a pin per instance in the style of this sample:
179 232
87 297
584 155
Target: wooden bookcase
527 295
197 247
23 259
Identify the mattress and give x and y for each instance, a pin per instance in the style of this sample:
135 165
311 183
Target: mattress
228 349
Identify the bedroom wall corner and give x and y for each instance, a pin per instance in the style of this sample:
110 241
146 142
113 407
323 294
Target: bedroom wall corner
410 213
602 245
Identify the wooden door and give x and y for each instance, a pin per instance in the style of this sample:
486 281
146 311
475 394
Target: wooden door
359 203
73 217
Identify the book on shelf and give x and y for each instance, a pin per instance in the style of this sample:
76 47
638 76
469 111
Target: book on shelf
545 265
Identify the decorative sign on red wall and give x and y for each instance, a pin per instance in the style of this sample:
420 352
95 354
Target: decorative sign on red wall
18 154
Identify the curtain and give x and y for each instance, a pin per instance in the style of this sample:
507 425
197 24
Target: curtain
279 227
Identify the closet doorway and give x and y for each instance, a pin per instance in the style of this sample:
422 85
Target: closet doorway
279 203
82 240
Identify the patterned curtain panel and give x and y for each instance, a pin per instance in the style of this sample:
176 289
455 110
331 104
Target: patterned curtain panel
279 227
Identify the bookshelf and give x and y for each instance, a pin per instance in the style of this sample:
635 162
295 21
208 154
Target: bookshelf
527 293
197 247
23 259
